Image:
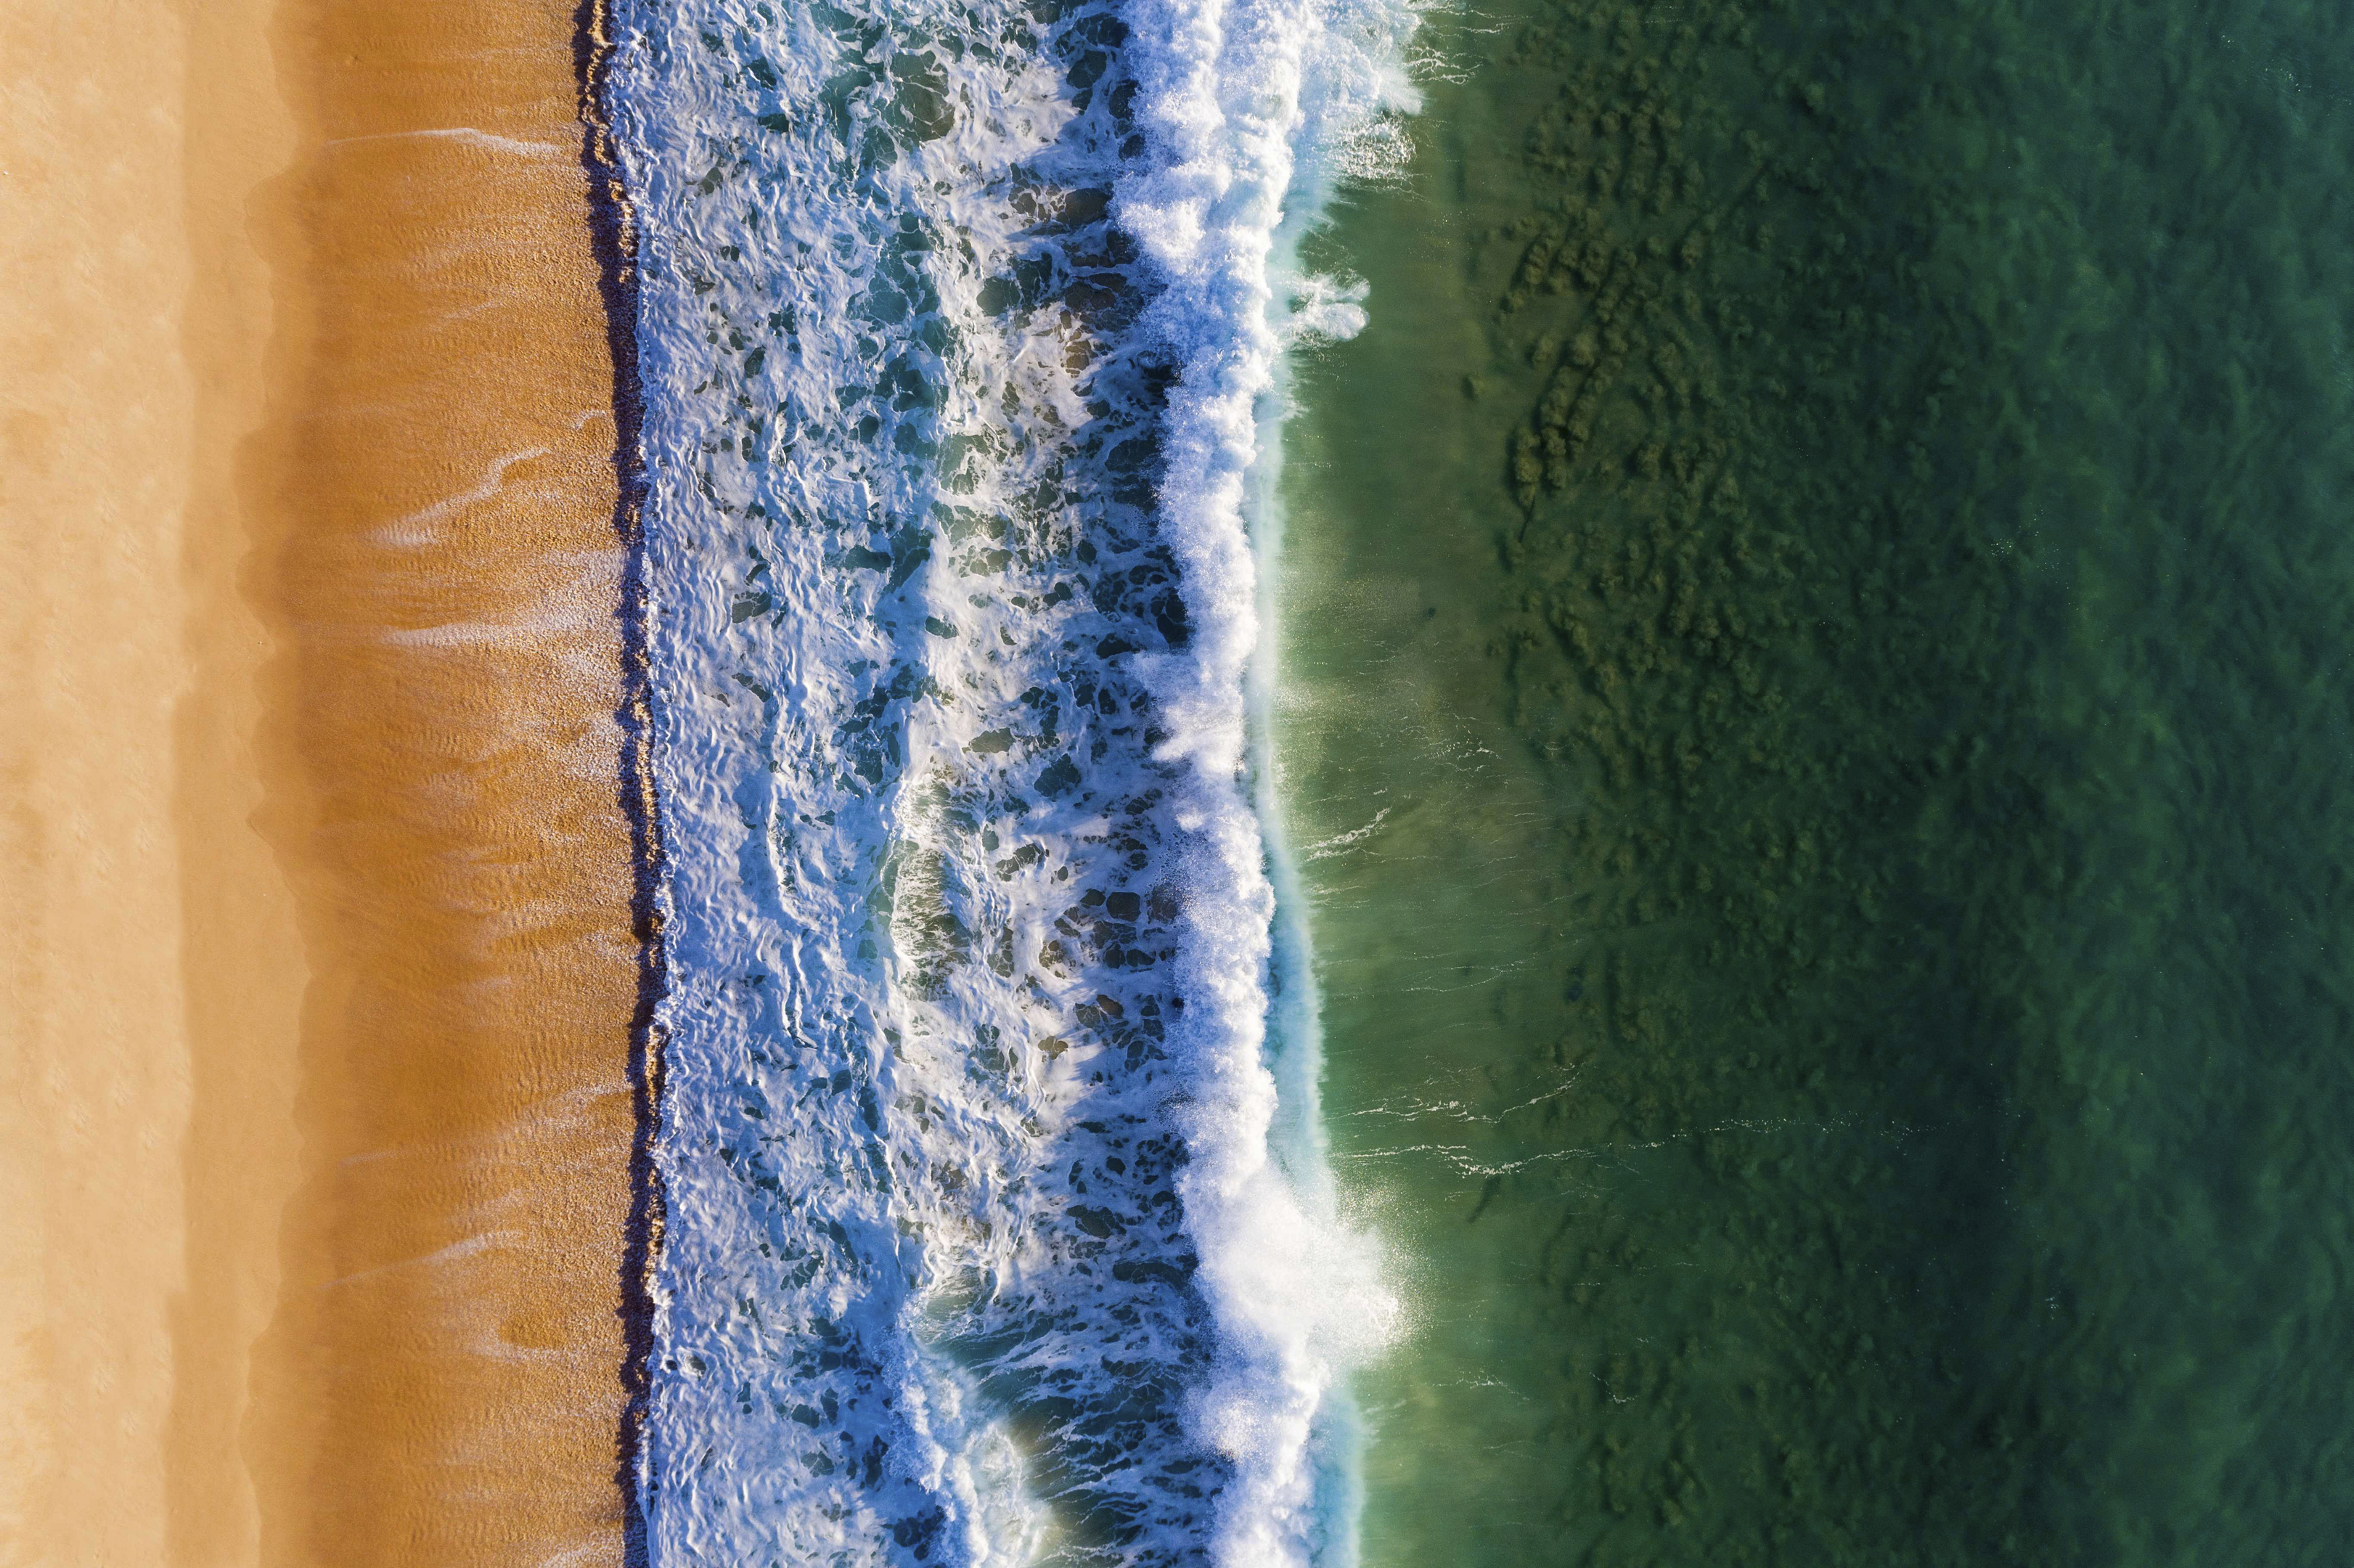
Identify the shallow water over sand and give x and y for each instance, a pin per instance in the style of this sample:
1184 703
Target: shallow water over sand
1814 635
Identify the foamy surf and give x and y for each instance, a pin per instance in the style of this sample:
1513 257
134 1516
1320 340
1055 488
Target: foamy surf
959 334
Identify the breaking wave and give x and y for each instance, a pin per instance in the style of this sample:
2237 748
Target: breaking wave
988 1235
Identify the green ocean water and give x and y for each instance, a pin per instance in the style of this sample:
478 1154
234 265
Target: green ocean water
1813 711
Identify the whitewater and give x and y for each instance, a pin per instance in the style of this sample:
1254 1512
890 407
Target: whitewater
987 1233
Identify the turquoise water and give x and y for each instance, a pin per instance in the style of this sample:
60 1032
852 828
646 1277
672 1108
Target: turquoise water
1807 733
1815 624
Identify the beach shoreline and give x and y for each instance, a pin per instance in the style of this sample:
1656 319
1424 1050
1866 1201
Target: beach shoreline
320 1112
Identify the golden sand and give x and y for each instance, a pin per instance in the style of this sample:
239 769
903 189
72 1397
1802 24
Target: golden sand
315 1126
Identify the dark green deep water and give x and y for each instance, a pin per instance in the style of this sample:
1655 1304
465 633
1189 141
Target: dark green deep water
1830 580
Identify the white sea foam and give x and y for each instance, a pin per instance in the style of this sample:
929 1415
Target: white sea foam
465 133
959 337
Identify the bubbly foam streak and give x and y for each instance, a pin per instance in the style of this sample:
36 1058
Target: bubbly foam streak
959 332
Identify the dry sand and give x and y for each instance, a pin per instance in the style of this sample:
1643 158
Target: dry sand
315 1122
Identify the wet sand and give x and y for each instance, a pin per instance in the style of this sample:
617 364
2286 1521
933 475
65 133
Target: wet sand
315 1132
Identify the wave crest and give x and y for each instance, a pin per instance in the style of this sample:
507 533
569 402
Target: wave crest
957 331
